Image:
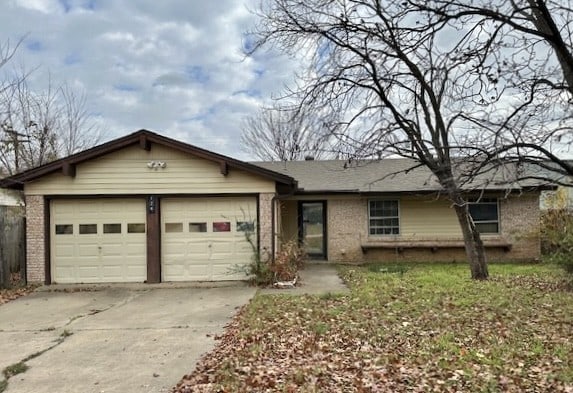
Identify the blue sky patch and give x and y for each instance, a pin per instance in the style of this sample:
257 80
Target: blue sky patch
66 5
71 59
125 87
69 5
248 43
197 74
34 45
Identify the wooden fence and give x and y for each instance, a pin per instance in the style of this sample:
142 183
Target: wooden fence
12 243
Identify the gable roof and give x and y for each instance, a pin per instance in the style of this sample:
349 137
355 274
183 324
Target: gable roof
143 138
390 175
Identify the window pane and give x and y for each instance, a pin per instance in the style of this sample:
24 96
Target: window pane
64 229
111 228
223 226
173 227
384 217
489 227
483 212
485 215
197 227
88 229
245 226
136 228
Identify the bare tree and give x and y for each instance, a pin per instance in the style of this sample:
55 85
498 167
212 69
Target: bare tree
77 130
525 46
285 133
39 127
405 81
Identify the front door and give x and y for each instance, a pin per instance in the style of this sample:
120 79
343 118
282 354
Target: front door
312 228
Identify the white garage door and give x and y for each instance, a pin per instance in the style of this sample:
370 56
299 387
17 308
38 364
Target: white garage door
204 239
98 240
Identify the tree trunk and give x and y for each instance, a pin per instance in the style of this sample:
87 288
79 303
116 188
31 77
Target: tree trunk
544 22
475 250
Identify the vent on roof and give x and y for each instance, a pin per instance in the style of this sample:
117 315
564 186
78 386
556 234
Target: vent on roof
309 158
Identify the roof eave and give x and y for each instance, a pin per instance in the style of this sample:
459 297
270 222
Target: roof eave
142 137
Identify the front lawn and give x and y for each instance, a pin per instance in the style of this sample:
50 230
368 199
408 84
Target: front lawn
426 329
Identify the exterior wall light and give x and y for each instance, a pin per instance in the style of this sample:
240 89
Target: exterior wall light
155 165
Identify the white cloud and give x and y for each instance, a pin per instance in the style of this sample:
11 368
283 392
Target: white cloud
174 66
44 6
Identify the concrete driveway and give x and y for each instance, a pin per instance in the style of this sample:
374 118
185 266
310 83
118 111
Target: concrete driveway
112 340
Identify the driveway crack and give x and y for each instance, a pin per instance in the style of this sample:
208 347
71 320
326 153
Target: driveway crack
100 310
21 366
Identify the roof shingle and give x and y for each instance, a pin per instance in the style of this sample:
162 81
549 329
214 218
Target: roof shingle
383 176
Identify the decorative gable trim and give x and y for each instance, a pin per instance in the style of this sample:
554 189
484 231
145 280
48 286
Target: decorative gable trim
144 139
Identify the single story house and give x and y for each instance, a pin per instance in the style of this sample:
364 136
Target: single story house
146 208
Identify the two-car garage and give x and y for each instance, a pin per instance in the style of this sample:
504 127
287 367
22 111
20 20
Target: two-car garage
146 208
105 239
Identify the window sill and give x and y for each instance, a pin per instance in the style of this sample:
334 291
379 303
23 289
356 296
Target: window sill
433 245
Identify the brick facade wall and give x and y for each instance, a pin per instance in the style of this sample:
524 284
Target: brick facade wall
35 243
520 217
265 224
348 229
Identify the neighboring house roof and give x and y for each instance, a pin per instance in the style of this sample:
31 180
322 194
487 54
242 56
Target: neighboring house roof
383 176
144 139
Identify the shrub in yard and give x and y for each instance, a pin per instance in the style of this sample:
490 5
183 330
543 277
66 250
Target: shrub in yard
288 261
556 231
263 270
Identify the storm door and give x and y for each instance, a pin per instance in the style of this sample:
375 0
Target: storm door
312 228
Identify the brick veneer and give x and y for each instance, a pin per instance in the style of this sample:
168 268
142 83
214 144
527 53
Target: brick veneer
520 217
348 228
347 225
265 224
35 243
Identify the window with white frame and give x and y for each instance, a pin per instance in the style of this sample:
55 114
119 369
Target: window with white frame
485 213
383 217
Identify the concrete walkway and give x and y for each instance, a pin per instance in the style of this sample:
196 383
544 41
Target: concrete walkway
315 279
114 339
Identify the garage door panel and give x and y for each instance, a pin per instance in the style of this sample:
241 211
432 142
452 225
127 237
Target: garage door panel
95 256
222 272
112 271
109 250
136 248
62 251
174 269
136 270
199 272
88 271
213 245
198 248
66 273
87 250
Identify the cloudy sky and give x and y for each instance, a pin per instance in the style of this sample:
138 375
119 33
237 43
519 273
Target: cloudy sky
172 66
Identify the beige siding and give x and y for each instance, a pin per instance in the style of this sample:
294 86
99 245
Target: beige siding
126 172
428 219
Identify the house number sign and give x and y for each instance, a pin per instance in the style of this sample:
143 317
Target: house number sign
151 203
